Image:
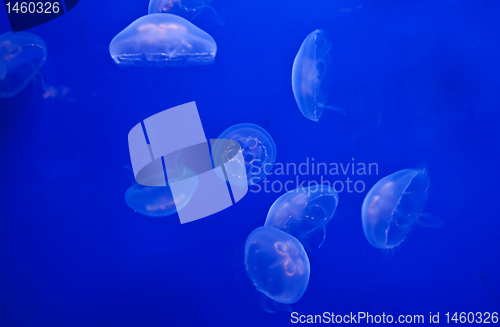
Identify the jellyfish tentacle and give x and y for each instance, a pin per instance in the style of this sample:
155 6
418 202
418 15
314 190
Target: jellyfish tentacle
130 174
282 306
217 18
264 303
324 237
38 77
336 109
42 81
196 10
429 220
199 9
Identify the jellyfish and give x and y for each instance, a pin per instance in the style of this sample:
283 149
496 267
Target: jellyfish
259 151
158 201
277 264
22 55
162 40
188 9
393 206
311 75
303 211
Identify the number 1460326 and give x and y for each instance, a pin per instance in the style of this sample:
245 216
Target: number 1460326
472 317
33 7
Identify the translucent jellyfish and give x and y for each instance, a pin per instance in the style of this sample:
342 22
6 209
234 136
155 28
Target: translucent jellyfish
22 55
162 40
158 201
311 75
188 9
393 206
277 264
259 150
303 211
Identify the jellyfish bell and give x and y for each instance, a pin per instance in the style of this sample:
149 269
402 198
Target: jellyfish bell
277 264
312 74
188 9
303 212
158 201
258 148
162 40
22 55
393 207
152 201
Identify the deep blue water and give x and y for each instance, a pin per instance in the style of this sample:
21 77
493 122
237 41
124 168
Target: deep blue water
419 81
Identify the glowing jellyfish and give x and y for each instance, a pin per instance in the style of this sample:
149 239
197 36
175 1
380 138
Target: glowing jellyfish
22 55
188 9
277 264
259 150
303 211
162 40
311 75
158 201
392 207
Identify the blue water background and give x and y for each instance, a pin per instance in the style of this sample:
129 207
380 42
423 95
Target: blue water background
419 81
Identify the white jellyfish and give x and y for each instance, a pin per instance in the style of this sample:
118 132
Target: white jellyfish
311 76
162 40
393 207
